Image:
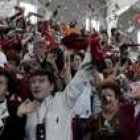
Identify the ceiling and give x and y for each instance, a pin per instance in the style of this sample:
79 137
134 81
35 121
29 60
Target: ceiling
79 10
74 9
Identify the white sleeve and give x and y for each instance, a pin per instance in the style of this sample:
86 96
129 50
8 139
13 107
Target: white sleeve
75 88
138 138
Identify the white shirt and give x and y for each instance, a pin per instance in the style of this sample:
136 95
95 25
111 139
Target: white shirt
82 107
137 110
58 108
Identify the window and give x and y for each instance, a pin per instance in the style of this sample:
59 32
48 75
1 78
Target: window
29 8
92 24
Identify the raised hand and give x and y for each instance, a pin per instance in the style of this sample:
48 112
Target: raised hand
27 107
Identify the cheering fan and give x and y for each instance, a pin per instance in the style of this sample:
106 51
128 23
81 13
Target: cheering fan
76 42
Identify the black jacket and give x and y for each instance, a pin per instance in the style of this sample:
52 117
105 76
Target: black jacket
14 128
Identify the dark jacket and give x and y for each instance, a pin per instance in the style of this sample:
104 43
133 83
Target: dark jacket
14 127
127 121
129 125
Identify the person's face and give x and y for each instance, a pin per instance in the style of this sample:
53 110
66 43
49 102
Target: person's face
95 78
50 57
104 38
109 100
12 65
109 63
63 27
39 50
3 87
76 62
41 87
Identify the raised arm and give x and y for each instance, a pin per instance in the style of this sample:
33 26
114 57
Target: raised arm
75 88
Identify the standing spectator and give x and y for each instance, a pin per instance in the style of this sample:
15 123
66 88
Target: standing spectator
11 126
53 114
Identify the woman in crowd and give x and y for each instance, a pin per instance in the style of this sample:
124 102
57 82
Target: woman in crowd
109 66
111 122
77 59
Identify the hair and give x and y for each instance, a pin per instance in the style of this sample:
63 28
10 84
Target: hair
104 32
47 66
123 48
73 24
112 85
50 75
11 56
113 30
80 54
58 53
59 57
117 36
11 80
110 58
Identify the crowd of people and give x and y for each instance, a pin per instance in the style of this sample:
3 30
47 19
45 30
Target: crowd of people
61 82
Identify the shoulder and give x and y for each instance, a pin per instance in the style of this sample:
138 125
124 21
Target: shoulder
93 122
58 95
93 119
127 108
125 103
2 56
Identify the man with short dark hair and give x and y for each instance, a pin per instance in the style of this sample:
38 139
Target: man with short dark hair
51 119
